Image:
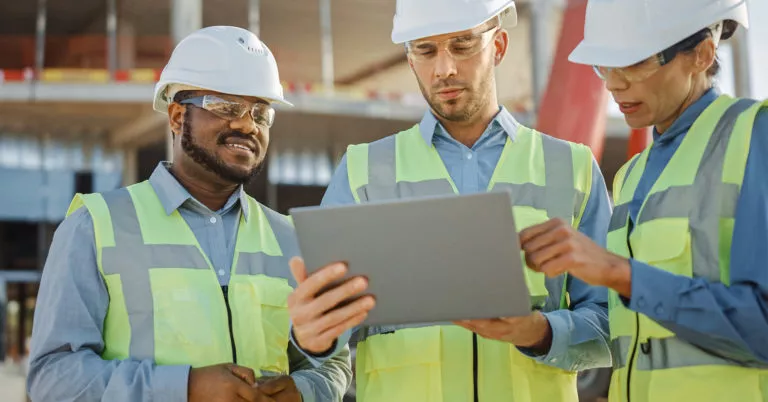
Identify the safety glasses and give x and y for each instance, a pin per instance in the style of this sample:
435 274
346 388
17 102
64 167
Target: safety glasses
459 47
233 108
648 67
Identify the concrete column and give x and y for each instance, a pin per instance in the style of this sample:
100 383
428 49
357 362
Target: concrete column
186 17
130 166
111 37
254 17
741 72
326 37
540 49
41 24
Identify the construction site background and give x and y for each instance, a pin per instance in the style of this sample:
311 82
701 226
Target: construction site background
76 80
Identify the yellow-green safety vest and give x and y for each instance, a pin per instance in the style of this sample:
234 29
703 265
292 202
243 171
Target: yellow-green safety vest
165 301
685 227
547 178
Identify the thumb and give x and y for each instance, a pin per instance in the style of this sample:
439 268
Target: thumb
298 270
275 385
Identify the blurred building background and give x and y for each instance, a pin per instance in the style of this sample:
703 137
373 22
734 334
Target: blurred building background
76 81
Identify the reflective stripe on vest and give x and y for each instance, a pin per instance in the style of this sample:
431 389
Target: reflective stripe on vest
141 249
685 226
432 362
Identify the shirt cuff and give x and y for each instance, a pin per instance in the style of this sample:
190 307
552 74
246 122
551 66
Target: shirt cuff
169 383
318 360
305 388
654 291
560 340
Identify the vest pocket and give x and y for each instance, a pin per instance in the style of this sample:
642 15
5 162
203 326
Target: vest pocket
404 365
704 384
664 243
261 322
188 311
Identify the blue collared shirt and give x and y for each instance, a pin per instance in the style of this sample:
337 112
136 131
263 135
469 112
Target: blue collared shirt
729 321
67 336
579 336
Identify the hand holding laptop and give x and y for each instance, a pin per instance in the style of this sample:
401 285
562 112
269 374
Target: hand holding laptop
318 316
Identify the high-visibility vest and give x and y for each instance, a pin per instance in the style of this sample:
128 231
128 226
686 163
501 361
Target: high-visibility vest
546 178
685 227
165 301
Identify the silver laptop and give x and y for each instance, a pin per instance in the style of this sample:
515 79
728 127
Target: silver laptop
427 260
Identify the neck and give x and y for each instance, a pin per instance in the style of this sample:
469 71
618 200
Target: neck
203 185
698 90
469 131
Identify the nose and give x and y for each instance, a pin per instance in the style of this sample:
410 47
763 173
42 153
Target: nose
245 125
614 82
445 65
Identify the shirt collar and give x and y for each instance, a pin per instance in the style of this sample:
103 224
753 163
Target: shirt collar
429 125
688 117
173 195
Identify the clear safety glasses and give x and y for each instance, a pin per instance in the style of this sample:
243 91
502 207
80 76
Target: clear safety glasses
459 47
233 108
648 67
634 73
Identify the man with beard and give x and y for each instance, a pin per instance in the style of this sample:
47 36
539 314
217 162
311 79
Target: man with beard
175 288
465 143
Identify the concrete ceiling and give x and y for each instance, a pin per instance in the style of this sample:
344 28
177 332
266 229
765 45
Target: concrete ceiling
363 54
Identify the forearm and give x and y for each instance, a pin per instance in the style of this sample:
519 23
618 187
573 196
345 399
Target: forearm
326 382
83 375
730 321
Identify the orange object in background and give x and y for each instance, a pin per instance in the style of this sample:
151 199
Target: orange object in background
639 139
573 107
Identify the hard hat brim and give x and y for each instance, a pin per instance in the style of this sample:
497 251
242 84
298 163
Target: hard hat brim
602 56
446 27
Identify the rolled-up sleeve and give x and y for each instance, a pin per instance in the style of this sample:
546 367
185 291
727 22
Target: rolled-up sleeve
67 336
321 381
580 334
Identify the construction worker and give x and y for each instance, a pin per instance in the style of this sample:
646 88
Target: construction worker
175 288
465 143
686 259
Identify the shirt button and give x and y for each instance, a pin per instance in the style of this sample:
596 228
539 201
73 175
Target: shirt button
213 219
641 302
221 272
660 310
469 156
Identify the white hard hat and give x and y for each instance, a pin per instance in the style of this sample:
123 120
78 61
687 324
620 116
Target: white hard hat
224 59
415 19
620 33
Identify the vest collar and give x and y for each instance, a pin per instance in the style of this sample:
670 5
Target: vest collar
173 195
429 125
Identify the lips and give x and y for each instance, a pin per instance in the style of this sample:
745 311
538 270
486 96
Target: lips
629 107
450 93
241 144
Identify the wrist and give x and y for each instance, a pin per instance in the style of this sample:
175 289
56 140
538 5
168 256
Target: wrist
542 342
619 276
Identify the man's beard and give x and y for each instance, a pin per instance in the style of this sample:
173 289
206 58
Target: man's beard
208 159
475 101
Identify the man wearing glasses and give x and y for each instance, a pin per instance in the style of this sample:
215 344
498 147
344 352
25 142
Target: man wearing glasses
466 143
175 288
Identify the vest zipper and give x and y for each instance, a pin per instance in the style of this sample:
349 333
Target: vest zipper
474 365
632 357
637 326
225 290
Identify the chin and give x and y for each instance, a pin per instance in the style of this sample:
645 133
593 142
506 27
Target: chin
637 122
